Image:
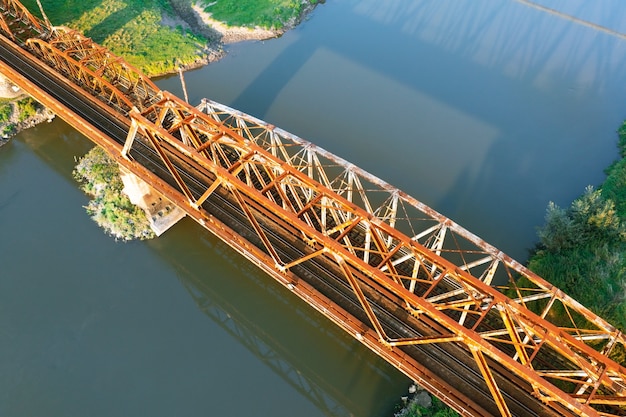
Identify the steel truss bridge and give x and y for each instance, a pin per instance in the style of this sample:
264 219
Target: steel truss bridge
407 282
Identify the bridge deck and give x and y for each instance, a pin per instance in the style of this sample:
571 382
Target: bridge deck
407 282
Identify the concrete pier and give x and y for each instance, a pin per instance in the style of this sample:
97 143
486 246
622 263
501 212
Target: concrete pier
161 213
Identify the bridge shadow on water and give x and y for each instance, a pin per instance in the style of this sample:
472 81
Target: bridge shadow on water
543 83
325 365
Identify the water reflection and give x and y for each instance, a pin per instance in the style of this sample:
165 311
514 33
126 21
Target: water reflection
337 374
520 38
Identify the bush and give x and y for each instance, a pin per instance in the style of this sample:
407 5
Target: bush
590 219
26 108
437 409
110 208
6 110
614 186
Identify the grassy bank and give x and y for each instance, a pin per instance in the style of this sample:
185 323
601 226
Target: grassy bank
156 36
14 113
132 29
268 14
582 248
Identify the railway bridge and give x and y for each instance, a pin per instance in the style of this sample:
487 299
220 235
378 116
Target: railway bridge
407 282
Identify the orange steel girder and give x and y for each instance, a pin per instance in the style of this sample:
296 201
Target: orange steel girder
364 243
12 12
378 236
96 69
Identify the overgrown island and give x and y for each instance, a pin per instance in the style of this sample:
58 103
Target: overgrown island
581 249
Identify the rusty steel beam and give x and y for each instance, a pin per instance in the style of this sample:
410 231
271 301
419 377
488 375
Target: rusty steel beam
13 12
92 66
464 405
521 328
377 235
4 26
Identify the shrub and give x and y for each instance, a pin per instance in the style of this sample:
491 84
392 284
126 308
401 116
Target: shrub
6 110
109 207
582 251
26 108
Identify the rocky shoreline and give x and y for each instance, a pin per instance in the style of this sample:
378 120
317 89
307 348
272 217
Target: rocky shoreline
18 111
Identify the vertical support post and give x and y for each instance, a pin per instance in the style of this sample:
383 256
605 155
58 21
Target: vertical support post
43 13
130 138
182 81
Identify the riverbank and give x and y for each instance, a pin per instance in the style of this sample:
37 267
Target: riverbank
160 36
19 113
582 248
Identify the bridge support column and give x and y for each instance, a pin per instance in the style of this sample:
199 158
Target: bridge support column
162 213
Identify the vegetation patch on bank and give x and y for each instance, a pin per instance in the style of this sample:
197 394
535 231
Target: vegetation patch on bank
159 36
582 248
419 403
109 207
132 29
16 114
267 14
437 409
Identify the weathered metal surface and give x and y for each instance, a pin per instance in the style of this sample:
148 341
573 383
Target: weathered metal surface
376 235
369 247
16 19
93 67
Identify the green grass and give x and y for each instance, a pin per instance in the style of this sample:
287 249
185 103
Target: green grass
5 112
132 28
26 107
129 28
270 14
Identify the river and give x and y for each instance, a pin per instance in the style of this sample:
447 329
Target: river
485 110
